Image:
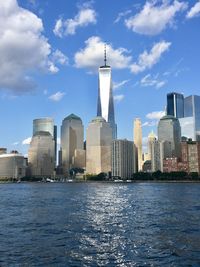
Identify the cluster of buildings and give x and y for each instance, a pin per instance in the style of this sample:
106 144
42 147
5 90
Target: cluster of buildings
175 148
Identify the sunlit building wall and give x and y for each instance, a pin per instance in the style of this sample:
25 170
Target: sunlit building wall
71 140
12 165
41 156
137 133
98 152
123 158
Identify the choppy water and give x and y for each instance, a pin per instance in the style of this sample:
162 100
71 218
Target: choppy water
100 224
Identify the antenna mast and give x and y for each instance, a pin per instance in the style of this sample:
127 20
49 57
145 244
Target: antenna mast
105 59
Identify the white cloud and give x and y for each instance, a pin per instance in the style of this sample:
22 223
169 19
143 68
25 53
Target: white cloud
155 115
154 18
84 17
149 123
26 141
15 143
148 80
194 11
23 47
121 15
147 60
117 85
93 54
118 98
59 58
57 96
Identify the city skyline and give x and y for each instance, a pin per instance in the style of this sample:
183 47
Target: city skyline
147 61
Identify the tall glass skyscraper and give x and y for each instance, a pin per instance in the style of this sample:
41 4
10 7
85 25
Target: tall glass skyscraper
192 109
46 125
105 106
175 105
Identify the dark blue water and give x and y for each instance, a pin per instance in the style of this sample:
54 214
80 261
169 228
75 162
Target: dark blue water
100 224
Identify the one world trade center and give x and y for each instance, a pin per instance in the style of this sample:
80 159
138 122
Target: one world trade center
105 105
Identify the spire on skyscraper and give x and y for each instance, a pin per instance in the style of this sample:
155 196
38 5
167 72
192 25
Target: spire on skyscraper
105 58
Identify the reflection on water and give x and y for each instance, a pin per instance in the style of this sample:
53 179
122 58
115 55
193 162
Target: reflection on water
100 224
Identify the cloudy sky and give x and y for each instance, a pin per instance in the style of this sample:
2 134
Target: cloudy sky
50 52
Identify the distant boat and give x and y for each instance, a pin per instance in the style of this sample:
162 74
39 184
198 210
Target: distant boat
118 181
48 180
69 180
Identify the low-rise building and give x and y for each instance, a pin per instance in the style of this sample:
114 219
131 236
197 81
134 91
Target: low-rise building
12 166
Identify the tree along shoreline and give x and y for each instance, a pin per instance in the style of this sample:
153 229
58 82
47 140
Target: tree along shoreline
103 177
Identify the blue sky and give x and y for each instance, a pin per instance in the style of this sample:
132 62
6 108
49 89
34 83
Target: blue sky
50 52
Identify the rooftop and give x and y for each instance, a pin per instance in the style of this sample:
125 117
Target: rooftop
72 117
98 119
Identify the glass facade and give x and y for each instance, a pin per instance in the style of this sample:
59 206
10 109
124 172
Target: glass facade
105 106
175 105
169 130
192 109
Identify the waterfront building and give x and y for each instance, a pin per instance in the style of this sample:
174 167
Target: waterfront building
137 133
169 130
155 156
192 109
12 166
105 105
151 138
175 105
123 158
188 130
71 140
3 150
46 125
41 155
98 152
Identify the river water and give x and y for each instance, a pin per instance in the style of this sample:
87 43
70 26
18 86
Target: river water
100 224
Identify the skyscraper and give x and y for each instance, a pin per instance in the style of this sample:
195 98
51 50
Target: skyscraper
151 138
41 154
137 133
169 130
175 105
98 152
46 125
105 105
71 140
123 158
192 110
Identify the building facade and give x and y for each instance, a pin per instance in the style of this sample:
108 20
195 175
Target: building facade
105 105
12 166
192 109
41 155
169 130
123 158
46 125
98 152
71 140
137 133
175 105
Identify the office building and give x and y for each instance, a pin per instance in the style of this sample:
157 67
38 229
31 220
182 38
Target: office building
105 105
46 125
155 156
175 105
169 130
192 109
71 140
12 166
151 138
98 152
137 133
41 155
123 158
